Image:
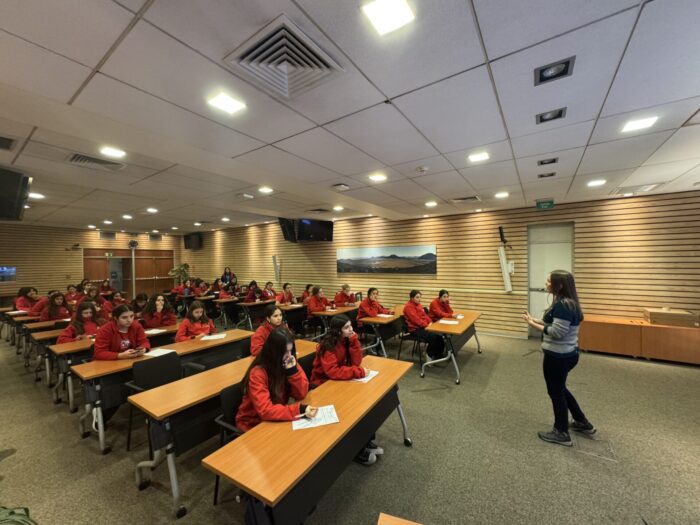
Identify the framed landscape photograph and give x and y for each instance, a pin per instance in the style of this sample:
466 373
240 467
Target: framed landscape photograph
388 259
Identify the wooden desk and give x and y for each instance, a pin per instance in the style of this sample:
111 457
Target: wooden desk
386 519
181 415
103 381
5 309
289 471
384 327
15 313
327 315
41 325
40 340
227 300
25 318
455 337
253 307
224 304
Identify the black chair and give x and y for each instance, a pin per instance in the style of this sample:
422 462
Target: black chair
409 336
231 398
358 297
61 324
307 364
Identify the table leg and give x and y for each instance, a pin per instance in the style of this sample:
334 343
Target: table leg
178 510
47 365
71 394
406 439
478 344
81 422
59 383
449 357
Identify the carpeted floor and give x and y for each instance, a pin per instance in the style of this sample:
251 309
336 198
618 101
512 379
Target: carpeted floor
476 457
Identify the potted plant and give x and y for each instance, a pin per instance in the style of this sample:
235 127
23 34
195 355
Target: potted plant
180 273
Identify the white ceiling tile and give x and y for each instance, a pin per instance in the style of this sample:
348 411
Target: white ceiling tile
553 140
34 69
38 212
508 26
354 184
448 184
651 49
684 144
670 116
688 182
406 190
57 194
273 159
110 202
456 113
441 41
322 147
224 183
126 104
660 173
597 48
371 195
613 179
491 175
695 120
555 189
621 154
434 164
384 133
565 167
498 151
158 64
16 131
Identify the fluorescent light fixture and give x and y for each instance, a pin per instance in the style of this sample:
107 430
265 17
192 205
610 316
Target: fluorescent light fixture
225 103
247 196
478 210
265 189
501 194
115 153
338 208
377 177
388 15
174 228
596 182
425 216
247 225
225 219
33 195
127 217
152 210
478 157
92 226
197 223
642 123
627 194
431 204
107 221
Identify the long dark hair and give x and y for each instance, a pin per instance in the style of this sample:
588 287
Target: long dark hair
150 307
316 289
53 308
563 288
134 304
78 321
330 340
82 285
270 359
24 291
121 309
306 288
252 284
197 304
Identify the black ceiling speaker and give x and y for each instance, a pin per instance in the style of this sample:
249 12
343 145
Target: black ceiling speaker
14 194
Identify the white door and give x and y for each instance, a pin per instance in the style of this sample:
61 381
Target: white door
550 247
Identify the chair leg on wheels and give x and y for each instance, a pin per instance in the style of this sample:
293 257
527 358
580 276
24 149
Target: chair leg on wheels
128 432
216 490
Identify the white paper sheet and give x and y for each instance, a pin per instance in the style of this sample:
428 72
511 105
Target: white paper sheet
385 315
368 377
157 352
447 321
154 331
459 316
15 312
213 337
325 416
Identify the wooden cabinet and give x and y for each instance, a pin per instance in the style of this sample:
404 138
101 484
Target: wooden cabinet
671 343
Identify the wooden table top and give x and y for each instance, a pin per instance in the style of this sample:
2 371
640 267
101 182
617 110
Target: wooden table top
270 459
470 317
5 309
95 369
166 400
26 318
15 313
288 307
592 318
43 324
387 519
227 300
256 303
46 336
380 320
85 344
338 310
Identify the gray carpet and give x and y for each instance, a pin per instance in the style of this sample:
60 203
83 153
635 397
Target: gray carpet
476 457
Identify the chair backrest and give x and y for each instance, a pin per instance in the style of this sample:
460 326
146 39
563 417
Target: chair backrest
231 398
157 371
358 297
307 363
61 324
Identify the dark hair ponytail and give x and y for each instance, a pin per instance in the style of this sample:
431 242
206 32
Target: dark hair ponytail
335 333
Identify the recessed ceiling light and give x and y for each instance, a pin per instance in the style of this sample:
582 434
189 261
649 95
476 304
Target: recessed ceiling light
338 208
422 169
388 15
213 229
92 226
501 194
627 194
369 215
115 153
197 223
595 183
247 196
265 189
122 231
174 228
478 157
546 175
642 123
554 71
127 217
27 206
246 224
334 219
377 177
107 221
225 103
425 216
33 195
154 231
225 219
544 162
553 114
152 210
431 204
478 210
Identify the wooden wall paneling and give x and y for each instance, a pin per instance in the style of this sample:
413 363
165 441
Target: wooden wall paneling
96 268
145 268
163 266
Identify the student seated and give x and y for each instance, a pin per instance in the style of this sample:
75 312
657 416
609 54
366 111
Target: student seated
370 307
26 298
268 292
286 296
158 312
417 320
273 378
339 357
250 294
307 293
82 285
55 308
344 297
201 288
121 338
139 304
216 286
84 324
273 321
440 306
106 288
118 298
71 294
195 323
41 303
317 301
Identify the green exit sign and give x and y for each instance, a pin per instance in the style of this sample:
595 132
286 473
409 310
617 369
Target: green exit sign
545 204
108 254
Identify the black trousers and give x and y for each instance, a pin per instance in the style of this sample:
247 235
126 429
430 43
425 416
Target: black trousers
556 369
436 344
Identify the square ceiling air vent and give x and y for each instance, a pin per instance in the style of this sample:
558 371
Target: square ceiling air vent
86 161
466 200
319 210
622 190
283 60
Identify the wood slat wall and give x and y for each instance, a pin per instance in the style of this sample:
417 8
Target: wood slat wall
44 258
629 253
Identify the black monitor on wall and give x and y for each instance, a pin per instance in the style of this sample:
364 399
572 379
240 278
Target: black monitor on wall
13 195
193 241
288 229
312 230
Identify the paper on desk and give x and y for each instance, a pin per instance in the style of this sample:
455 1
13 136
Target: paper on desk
325 416
459 316
159 352
68 319
448 321
212 337
385 315
17 312
368 377
154 331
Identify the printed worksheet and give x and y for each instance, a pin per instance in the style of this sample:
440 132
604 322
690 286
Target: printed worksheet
213 337
157 352
448 321
154 331
372 374
385 315
326 416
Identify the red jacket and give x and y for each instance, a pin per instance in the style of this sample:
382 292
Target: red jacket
250 296
305 297
260 336
203 290
415 316
70 332
342 299
438 309
257 405
117 302
223 294
24 303
158 319
72 296
286 297
106 290
339 364
369 308
39 306
190 330
62 313
317 304
268 294
109 342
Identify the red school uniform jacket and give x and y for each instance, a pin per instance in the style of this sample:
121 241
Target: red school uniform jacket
62 313
117 302
109 341
415 316
438 309
72 296
250 296
158 319
189 330
339 364
305 297
39 306
260 336
70 333
342 299
369 308
317 304
268 294
24 303
257 405
285 298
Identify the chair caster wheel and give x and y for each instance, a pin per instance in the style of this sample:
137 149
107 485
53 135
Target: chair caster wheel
73 410
144 484
408 442
422 374
37 379
85 434
180 512
106 450
479 351
456 381
57 401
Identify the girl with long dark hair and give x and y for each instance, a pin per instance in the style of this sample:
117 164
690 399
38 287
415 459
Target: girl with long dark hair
158 312
84 324
273 321
195 323
55 308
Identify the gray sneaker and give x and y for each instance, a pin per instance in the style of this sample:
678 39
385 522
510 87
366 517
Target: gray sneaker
365 458
585 428
554 436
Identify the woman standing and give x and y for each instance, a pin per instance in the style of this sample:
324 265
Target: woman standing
559 328
228 276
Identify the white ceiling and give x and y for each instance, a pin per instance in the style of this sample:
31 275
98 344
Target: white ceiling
412 104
